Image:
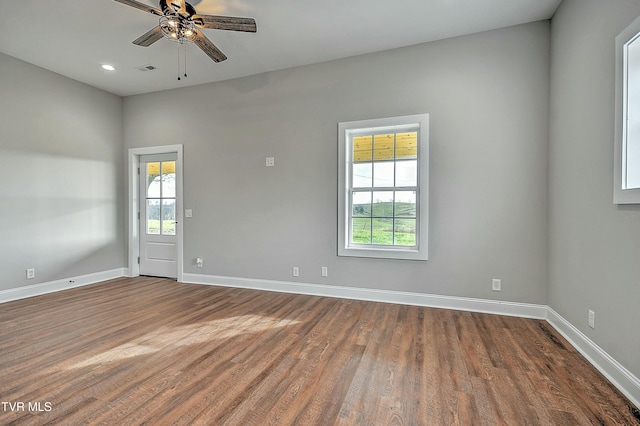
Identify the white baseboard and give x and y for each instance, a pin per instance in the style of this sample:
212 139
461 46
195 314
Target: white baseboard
59 285
524 310
616 373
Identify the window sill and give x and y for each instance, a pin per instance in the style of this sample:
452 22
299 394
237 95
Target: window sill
383 253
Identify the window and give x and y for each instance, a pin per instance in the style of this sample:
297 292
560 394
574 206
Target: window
383 188
627 115
160 196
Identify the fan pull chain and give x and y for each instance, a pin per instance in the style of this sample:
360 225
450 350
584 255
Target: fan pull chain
178 62
185 61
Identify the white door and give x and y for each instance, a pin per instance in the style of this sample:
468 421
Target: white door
158 248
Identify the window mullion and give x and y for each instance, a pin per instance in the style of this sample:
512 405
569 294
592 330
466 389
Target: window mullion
160 199
373 179
395 184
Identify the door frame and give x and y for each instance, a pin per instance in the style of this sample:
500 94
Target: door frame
134 202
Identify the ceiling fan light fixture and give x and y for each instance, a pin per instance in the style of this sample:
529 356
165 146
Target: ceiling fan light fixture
176 29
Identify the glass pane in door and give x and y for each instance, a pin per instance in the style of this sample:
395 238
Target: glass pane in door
169 217
153 216
153 180
161 198
168 179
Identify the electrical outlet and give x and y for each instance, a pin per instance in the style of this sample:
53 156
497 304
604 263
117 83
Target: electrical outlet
270 162
325 271
295 271
31 273
496 284
592 319
199 262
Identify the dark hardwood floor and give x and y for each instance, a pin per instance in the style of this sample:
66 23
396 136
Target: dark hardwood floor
153 351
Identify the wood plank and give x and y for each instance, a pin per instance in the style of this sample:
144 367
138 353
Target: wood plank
149 350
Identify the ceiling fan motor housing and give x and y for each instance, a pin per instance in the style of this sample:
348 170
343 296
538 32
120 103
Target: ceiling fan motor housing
174 8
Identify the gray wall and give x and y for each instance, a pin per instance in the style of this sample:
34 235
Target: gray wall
487 96
594 245
61 159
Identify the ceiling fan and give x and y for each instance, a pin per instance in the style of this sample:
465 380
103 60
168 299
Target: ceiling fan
180 22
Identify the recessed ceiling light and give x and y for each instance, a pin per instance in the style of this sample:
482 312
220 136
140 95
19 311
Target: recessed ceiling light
108 67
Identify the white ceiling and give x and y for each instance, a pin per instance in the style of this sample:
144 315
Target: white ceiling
74 37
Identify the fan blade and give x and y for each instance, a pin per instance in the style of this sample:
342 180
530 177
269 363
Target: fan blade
141 6
150 37
230 23
207 47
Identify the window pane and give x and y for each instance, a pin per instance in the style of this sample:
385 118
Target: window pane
383 147
632 144
361 231
407 173
362 175
153 180
405 232
362 146
383 174
405 204
382 231
383 204
361 204
169 179
169 217
153 216
406 145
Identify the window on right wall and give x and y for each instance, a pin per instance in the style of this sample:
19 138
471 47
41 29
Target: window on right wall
627 115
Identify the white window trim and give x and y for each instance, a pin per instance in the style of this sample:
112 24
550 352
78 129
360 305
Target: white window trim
419 253
622 195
